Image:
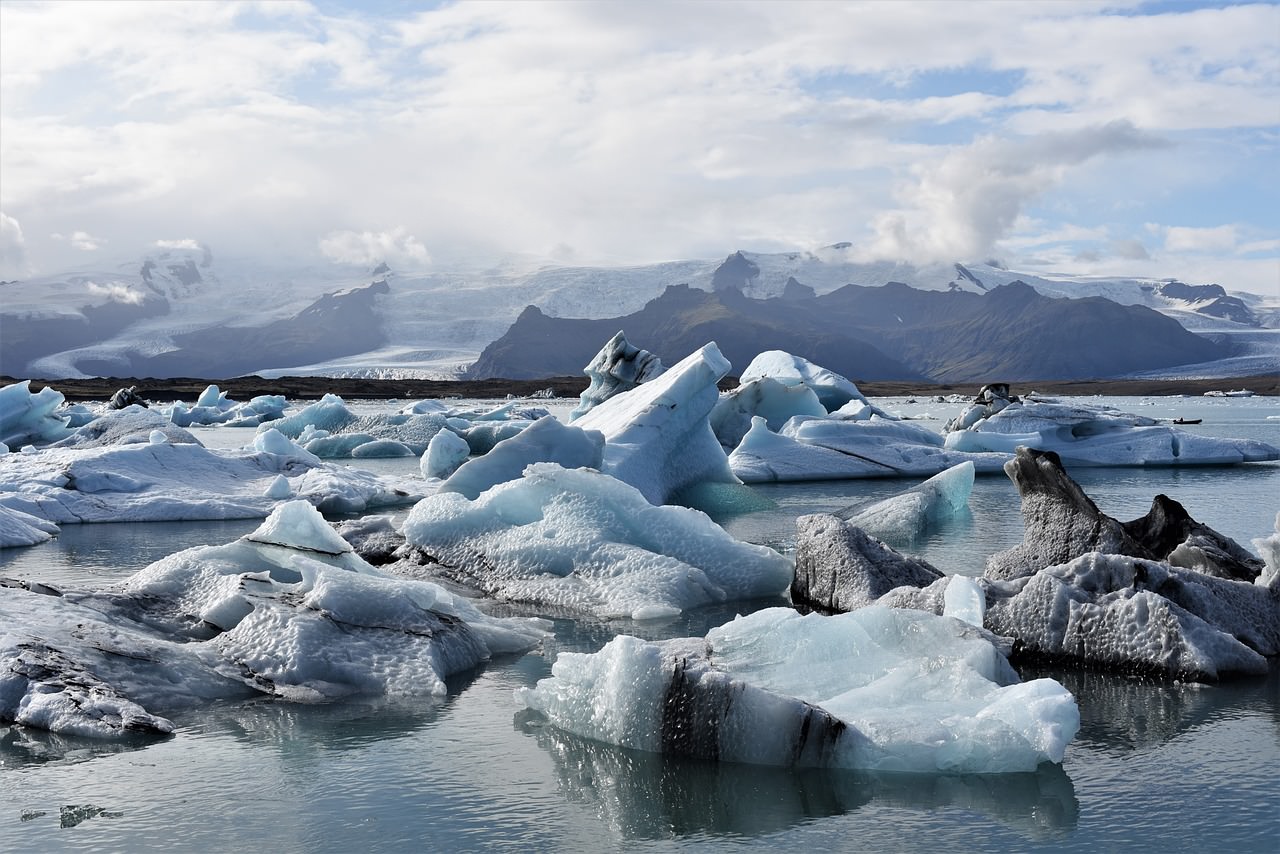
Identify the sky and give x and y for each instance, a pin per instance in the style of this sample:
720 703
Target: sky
1109 138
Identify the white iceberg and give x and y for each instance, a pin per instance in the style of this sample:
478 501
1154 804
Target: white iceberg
1084 435
833 390
545 440
582 542
657 437
880 688
907 515
170 481
764 397
213 407
288 611
23 529
329 429
28 418
445 452
835 449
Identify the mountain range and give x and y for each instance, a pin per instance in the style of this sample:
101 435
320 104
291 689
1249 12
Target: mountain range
180 311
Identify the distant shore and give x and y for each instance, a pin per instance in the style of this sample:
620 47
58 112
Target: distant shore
305 388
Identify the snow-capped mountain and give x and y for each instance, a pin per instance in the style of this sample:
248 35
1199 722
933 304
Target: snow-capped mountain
186 310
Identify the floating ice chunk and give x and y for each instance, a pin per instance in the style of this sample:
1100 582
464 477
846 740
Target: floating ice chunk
657 437
833 390
1269 548
907 515
288 611
878 689
618 367
1093 436
212 396
965 600
279 488
840 567
765 397
445 452
131 425
27 418
482 437
545 440
1120 612
157 437
424 407
176 481
23 529
328 413
382 448
584 542
274 442
213 407
827 449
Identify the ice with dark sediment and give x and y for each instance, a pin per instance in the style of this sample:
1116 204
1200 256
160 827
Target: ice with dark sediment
880 688
288 611
1162 595
618 367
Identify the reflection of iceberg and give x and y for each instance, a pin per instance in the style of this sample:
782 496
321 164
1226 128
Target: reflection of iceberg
880 688
640 795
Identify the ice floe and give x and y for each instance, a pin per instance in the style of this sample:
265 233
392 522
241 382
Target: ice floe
545 440
28 418
618 367
213 407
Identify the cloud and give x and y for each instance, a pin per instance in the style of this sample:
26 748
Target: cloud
396 247
181 243
1221 238
13 248
1131 249
961 206
82 240
117 292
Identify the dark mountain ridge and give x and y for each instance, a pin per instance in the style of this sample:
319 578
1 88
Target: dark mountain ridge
891 332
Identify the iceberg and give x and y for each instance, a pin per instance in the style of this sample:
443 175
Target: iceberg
288 611
23 529
909 514
445 452
581 542
213 407
831 389
137 479
834 449
1080 589
329 429
28 418
657 436
1090 435
879 689
545 440
618 367
764 397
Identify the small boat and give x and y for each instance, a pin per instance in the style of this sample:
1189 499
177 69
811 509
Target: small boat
1187 420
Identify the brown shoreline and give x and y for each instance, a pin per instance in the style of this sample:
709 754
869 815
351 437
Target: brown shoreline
243 388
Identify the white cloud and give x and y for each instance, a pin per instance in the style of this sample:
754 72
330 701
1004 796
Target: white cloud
82 240
1220 238
116 292
396 247
962 205
13 248
181 243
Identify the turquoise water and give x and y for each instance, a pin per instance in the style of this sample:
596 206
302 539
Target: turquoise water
1156 766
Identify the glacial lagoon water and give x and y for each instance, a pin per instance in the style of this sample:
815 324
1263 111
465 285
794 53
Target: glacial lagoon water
1156 766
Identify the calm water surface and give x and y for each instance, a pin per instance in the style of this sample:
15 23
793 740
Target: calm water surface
1156 766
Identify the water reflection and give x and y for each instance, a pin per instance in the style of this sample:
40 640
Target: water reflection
646 796
1120 715
24 747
